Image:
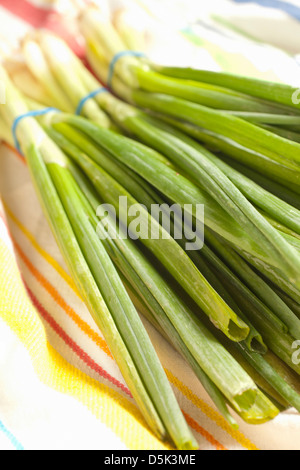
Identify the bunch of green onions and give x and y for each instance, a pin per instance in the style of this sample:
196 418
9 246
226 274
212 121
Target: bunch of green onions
231 309
66 208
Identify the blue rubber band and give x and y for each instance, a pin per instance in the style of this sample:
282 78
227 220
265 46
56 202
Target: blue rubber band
17 121
88 97
116 59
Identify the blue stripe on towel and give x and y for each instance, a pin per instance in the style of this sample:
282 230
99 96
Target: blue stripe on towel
11 437
289 8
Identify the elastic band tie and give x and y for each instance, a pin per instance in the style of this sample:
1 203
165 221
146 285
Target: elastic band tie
88 97
17 121
116 58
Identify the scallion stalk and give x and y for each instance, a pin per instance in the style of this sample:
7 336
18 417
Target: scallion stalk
289 122
294 306
227 125
271 91
286 133
272 275
281 173
207 95
274 379
281 192
260 288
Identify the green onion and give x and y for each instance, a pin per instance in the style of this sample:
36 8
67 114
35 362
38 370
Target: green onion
167 181
274 92
274 379
257 285
278 341
198 164
244 141
280 172
171 335
287 134
268 371
252 138
290 377
174 319
141 192
250 301
129 68
91 293
172 315
273 275
294 306
216 144
248 287
96 277
125 316
201 93
272 205
66 135
164 246
122 149
60 60
291 239
290 122
272 187
254 340
276 338
160 304
242 132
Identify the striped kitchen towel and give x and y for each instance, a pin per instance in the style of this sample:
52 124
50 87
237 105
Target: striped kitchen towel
60 387
275 22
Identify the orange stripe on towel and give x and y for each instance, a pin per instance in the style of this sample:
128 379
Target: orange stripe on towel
62 303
